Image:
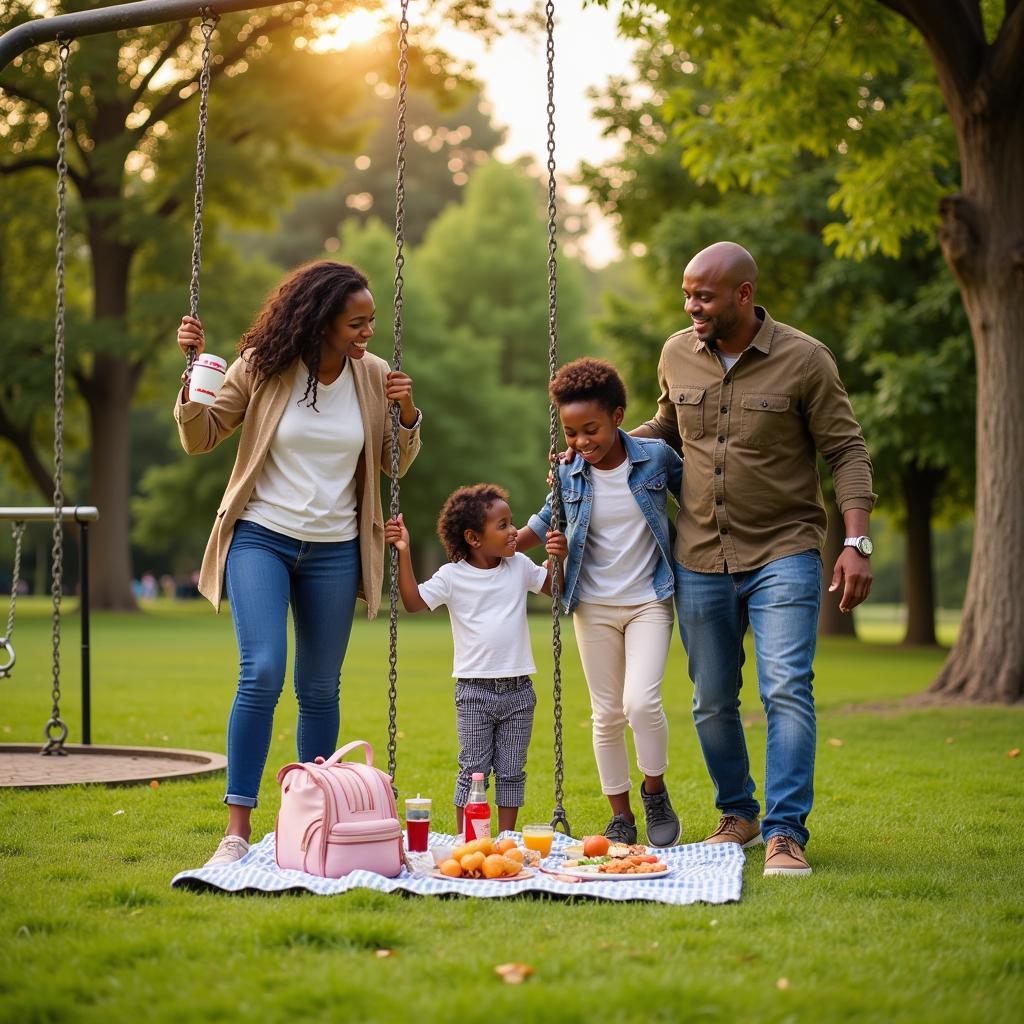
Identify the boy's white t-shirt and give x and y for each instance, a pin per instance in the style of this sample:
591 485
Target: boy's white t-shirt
621 552
307 486
488 612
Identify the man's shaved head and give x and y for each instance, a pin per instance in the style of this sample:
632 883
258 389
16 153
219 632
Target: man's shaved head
724 262
719 285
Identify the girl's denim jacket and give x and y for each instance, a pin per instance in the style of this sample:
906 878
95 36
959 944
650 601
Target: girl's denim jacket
655 471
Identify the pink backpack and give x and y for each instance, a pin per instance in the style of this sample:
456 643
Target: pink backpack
338 816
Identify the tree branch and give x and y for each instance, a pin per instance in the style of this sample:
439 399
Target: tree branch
22 94
955 37
30 162
21 438
1003 74
172 44
172 99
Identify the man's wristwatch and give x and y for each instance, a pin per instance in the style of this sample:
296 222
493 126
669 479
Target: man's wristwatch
862 544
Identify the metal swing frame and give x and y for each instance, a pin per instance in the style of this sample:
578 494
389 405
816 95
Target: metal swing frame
144 13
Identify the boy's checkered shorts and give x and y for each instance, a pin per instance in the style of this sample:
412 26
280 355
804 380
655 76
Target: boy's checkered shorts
494 720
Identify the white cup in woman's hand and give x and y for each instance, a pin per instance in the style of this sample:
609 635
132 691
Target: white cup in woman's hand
206 379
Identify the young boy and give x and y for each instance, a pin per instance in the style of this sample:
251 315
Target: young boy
484 584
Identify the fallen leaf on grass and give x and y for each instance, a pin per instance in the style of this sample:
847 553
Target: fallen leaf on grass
154 784
383 954
782 984
116 813
950 739
834 742
513 974
1013 753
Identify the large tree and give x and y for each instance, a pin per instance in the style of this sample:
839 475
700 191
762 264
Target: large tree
881 316
801 77
131 149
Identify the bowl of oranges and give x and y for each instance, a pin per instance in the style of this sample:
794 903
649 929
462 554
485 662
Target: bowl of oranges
490 859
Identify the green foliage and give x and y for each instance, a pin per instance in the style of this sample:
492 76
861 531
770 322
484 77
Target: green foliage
848 82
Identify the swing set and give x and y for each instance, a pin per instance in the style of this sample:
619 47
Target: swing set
63 29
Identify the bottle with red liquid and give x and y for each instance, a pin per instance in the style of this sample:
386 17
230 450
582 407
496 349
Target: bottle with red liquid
476 816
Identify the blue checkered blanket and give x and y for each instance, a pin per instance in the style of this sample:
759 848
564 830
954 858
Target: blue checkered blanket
699 874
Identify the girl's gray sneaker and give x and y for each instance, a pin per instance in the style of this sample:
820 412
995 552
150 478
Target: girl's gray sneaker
619 830
663 828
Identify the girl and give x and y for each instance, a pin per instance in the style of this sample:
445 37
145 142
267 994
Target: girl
484 585
298 523
619 583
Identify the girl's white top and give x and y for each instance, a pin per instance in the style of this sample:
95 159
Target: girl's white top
621 553
307 487
488 612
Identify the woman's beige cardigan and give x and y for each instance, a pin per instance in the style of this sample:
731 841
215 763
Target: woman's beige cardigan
258 409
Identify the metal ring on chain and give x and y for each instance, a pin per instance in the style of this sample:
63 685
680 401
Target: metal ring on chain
209 23
55 745
395 506
18 530
558 816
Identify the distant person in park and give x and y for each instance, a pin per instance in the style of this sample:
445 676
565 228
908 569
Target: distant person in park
749 402
484 584
300 523
619 582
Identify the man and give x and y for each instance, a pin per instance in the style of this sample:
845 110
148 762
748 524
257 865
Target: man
748 402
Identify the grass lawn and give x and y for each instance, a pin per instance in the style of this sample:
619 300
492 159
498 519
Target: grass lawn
914 911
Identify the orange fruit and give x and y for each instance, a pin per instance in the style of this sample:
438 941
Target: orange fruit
512 866
504 845
494 866
595 846
472 862
486 846
451 868
514 854
460 851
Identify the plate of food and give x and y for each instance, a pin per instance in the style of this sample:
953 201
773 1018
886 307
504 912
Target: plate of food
473 863
602 846
608 867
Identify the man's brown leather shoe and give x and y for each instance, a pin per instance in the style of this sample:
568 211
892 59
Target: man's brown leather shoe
734 829
785 856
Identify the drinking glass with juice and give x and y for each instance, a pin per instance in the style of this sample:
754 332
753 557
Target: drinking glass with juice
417 823
538 837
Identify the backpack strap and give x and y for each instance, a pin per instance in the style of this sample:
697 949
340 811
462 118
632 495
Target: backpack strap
338 755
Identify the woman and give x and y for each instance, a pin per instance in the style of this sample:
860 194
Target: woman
300 522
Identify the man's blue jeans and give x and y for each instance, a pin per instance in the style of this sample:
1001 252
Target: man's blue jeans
780 601
267 571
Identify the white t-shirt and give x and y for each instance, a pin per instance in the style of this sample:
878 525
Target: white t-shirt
307 487
621 553
488 612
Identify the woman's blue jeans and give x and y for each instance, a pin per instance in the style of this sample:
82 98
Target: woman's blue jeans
266 572
780 601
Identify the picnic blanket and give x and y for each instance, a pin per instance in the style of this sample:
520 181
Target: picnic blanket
700 874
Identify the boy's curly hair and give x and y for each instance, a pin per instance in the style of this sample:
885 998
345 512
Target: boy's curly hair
588 380
465 509
293 319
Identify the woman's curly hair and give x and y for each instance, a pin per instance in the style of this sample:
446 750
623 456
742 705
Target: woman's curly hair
293 320
588 380
465 509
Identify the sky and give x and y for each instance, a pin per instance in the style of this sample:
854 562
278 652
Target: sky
513 72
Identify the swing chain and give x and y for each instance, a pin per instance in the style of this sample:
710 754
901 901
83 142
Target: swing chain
209 23
558 815
403 75
56 730
18 529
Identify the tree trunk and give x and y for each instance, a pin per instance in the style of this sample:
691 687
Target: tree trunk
982 238
831 621
919 487
108 391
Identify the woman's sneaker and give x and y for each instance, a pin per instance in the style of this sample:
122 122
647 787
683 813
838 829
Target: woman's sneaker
619 830
230 849
663 828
